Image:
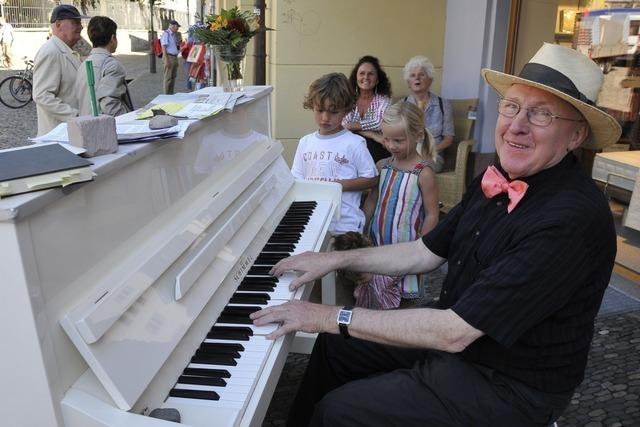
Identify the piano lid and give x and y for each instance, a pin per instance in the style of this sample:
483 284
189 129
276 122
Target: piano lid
136 316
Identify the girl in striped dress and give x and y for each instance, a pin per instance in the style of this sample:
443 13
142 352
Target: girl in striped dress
404 206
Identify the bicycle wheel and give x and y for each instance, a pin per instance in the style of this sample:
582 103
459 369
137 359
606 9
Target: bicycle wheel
21 90
12 85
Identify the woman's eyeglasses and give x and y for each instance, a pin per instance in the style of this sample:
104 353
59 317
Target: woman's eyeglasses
535 116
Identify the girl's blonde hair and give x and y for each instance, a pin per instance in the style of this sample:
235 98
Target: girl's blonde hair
412 118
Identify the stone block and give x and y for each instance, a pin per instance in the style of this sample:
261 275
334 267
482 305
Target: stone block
97 135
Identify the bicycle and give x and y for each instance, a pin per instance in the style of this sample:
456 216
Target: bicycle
16 90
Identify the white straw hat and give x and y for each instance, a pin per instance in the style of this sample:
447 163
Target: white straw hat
571 76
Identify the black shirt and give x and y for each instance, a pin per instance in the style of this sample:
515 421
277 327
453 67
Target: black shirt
531 280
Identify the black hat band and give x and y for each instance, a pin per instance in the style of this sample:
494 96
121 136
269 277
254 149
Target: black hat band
553 78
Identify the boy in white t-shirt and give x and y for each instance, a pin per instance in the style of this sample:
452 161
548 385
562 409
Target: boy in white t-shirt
333 153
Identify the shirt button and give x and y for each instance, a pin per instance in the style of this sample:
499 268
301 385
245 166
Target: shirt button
459 262
498 203
477 233
444 292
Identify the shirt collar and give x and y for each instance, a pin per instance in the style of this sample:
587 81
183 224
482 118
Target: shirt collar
567 163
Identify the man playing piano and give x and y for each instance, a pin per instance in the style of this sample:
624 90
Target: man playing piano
530 251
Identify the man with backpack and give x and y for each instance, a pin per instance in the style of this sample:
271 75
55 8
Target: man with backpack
170 41
112 94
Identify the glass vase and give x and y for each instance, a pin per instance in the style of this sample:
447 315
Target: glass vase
230 62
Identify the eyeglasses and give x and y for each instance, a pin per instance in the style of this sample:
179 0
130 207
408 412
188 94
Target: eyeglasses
535 116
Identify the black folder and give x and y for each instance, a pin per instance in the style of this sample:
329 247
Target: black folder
38 160
19 166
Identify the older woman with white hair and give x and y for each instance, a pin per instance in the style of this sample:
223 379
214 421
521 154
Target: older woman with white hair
438 115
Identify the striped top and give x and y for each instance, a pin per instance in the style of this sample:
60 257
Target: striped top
380 293
399 214
372 119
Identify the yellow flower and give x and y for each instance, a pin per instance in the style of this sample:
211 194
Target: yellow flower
218 23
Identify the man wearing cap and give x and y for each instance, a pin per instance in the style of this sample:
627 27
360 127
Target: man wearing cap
530 250
55 69
170 42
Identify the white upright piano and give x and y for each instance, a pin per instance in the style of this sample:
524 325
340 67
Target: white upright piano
131 292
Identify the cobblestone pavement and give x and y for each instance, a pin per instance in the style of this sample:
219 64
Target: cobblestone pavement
609 395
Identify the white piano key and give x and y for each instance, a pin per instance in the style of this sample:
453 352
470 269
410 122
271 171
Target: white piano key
270 303
176 402
249 346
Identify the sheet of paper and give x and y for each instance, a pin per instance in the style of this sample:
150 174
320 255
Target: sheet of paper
57 134
168 107
135 131
199 110
178 97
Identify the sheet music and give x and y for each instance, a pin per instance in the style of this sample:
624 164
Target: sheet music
192 106
126 132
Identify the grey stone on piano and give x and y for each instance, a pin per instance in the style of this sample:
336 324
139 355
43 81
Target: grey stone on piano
162 122
167 414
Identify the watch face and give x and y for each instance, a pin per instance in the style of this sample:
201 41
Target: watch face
344 317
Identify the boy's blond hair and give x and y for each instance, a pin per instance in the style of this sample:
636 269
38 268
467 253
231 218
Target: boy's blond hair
332 91
412 118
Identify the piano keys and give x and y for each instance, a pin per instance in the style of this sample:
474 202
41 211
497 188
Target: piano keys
114 289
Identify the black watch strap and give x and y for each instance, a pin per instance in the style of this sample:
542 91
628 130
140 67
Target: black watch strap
344 320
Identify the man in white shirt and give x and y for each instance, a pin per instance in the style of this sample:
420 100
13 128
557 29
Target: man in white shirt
170 41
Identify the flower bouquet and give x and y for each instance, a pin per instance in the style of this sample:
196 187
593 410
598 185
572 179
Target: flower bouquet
228 33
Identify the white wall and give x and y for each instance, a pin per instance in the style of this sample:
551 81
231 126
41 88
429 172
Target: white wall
475 38
463 48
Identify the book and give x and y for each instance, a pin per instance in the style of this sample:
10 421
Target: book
40 166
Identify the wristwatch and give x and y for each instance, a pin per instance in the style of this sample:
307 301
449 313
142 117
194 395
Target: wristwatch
344 320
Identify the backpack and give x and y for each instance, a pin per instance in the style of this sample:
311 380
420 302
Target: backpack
157 48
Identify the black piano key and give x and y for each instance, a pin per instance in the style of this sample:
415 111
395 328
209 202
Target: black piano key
290 234
307 212
258 271
267 259
227 345
241 310
282 239
257 287
299 208
303 203
260 280
194 394
236 333
284 228
213 360
235 314
212 351
295 221
277 247
203 372
234 319
213 381
250 298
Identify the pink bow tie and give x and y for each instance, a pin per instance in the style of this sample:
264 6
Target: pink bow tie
493 183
